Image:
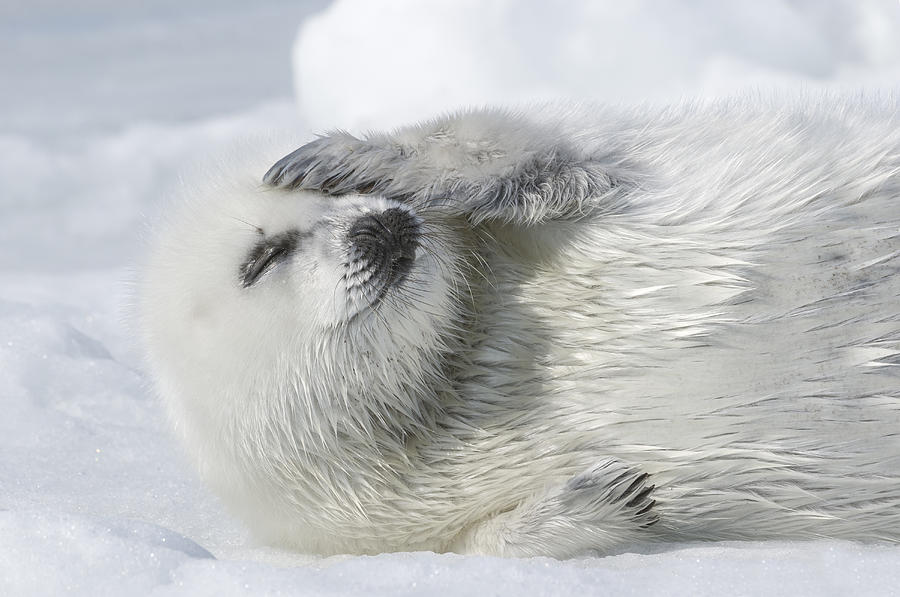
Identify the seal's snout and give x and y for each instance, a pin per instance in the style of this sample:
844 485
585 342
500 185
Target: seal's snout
383 246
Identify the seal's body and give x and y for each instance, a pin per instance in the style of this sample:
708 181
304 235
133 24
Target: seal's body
523 335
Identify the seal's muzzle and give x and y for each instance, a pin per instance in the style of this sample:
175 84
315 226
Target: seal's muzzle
383 247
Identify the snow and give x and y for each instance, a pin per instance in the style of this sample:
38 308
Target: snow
103 106
624 52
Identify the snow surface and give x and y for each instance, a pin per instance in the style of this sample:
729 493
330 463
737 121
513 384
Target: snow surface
103 105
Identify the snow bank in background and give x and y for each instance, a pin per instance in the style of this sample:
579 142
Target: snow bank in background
367 64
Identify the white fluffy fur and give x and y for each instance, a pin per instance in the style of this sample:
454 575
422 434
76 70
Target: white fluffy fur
705 294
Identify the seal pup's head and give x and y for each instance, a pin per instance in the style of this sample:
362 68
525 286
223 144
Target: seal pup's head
279 325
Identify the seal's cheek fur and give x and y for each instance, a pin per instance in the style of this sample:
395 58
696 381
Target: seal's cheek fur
546 335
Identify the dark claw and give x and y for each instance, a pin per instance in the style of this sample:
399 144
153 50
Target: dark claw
650 523
634 486
275 176
640 497
646 508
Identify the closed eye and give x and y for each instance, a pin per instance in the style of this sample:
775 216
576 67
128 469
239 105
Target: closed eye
268 253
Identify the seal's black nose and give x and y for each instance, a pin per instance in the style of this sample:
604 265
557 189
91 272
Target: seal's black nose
385 243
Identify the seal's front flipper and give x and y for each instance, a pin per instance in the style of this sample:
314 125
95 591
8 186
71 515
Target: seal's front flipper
487 165
605 507
336 164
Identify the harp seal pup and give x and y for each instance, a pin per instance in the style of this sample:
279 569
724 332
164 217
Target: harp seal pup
552 333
